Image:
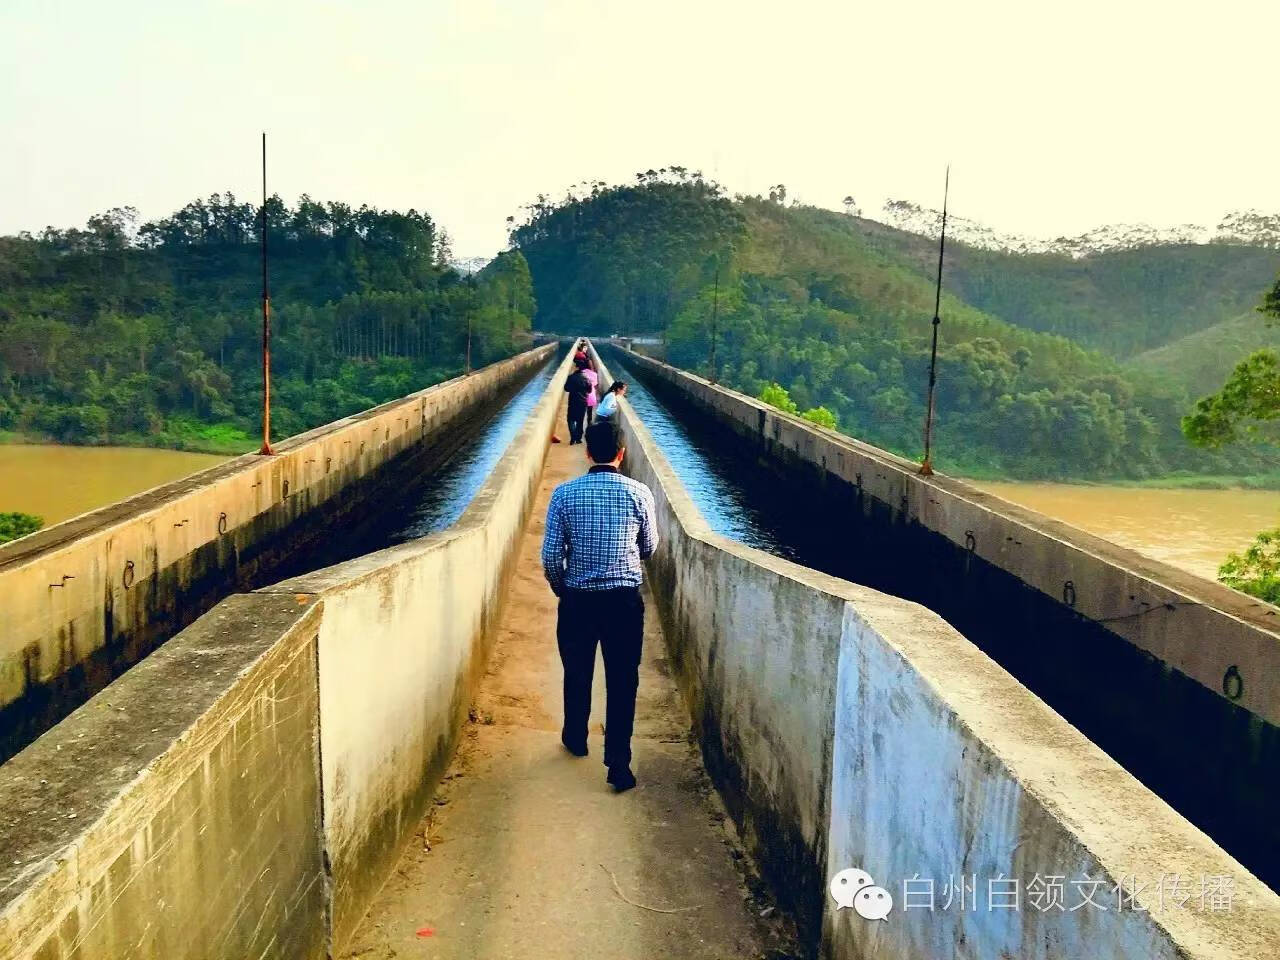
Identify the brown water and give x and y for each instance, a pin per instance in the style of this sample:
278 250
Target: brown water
57 482
1191 529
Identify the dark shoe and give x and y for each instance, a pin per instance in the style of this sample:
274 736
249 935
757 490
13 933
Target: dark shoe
621 778
578 749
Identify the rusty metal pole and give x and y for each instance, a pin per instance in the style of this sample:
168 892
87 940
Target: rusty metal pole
266 318
472 294
715 319
926 467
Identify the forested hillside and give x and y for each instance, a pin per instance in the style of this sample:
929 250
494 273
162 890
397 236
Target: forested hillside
757 293
627 258
151 334
1120 301
1203 360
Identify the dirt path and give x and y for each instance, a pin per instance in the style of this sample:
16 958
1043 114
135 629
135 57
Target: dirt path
520 847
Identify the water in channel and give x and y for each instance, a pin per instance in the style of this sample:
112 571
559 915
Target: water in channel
447 493
708 475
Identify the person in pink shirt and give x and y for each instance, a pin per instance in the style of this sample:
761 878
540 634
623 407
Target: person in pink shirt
593 378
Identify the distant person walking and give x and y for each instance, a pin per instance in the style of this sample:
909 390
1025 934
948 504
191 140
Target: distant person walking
593 378
577 386
600 526
608 406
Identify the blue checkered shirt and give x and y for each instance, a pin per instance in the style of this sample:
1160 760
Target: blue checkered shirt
599 527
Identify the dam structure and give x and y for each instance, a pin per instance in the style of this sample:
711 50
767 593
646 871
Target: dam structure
308 706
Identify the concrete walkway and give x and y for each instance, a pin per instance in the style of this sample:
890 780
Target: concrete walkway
520 854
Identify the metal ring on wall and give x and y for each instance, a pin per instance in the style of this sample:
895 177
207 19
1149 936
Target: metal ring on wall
1069 593
1232 683
286 488
222 523
970 541
127 577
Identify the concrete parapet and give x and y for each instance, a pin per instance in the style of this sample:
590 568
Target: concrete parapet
1160 609
405 635
177 813
848 728
245 790
85 599
1174 676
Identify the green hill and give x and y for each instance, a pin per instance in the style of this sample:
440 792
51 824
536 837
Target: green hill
837 312
1119 301
1202 360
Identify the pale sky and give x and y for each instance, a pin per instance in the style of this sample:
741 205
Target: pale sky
1056 117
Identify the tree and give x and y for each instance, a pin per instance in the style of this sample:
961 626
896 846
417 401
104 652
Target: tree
777 396
116 334
821 416
1257 570
1246 407
507 292
15 525
1248 404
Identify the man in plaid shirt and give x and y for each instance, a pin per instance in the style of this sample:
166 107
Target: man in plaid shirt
599 528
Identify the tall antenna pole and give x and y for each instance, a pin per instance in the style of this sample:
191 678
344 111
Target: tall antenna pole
715 319
471 309
266 318
926 467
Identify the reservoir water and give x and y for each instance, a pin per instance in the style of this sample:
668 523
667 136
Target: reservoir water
1190 529
59 482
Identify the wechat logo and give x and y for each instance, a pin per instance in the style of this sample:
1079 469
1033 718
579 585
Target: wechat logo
855 888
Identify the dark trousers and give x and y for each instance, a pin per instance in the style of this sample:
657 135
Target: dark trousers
614 619
577 409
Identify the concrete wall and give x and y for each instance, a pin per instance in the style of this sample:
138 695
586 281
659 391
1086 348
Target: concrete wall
177 814
1127 648
848 728
245 790
405 635
87 598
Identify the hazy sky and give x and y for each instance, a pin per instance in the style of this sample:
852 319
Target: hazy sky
1056 117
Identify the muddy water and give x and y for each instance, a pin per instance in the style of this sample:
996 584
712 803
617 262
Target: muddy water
1191 529
59 482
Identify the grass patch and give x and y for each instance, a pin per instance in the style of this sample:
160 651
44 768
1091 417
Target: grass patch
186 434
227 439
